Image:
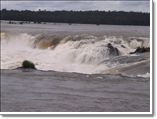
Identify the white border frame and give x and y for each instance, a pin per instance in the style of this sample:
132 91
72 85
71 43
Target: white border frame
107 113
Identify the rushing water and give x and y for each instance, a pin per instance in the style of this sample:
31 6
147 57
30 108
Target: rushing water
74 48
107 77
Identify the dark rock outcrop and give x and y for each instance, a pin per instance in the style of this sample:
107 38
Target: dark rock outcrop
28 65
141 50
112 50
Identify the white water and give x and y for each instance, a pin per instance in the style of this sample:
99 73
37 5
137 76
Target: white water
144 75
78 53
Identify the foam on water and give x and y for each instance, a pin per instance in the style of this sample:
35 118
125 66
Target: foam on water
144 75
78 53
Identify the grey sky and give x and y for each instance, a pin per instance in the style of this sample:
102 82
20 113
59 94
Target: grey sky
142 6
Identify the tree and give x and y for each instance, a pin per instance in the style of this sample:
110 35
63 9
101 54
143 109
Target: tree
82 17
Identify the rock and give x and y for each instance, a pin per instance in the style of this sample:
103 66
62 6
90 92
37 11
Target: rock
112 50
141 50
28 65
123 46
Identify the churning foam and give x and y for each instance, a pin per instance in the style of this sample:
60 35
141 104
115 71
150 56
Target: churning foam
78 53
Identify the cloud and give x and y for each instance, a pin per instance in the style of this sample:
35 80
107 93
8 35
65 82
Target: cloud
78 5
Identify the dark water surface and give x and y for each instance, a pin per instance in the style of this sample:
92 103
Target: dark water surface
38 91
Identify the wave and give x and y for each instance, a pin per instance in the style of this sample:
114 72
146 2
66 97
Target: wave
83 53
146 75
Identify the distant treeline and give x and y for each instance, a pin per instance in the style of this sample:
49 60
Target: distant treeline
82 17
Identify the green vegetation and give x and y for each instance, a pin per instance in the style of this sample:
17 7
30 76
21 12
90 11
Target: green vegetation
82 17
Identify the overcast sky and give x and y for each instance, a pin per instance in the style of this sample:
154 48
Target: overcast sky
140 6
